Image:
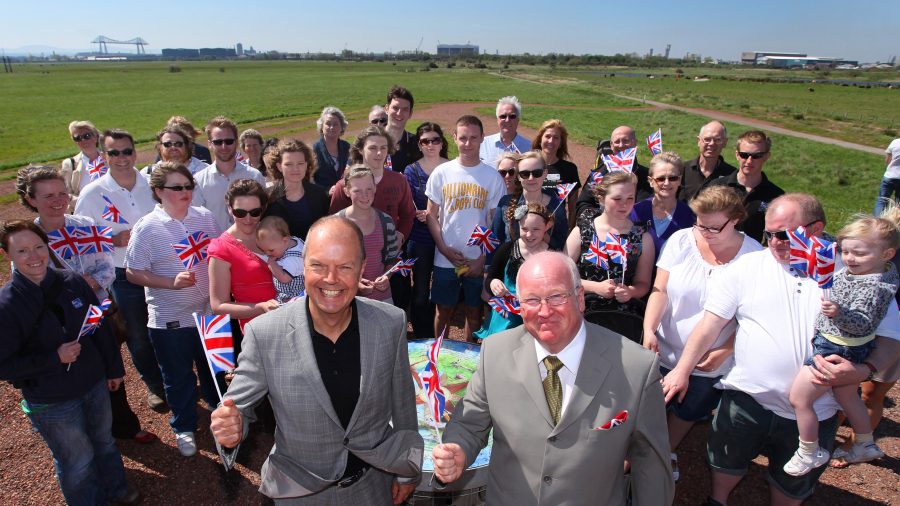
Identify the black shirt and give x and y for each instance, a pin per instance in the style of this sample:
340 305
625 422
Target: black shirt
563 171
694 180
756 202
339 366
407 152
587 201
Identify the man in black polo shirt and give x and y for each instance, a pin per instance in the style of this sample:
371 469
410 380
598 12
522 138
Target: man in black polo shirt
749 180
709 166
342 392
622 138
399 109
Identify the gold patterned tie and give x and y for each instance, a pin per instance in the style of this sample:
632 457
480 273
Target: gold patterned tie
553 387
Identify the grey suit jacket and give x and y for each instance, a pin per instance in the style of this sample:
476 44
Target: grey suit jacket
535 462
311 447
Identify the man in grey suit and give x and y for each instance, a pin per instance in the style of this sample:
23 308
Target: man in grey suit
569 403
342 393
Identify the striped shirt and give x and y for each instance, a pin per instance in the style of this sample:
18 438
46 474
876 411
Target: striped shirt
150 249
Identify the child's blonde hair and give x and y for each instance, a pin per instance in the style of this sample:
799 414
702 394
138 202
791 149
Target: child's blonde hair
885 227
356 171
274 224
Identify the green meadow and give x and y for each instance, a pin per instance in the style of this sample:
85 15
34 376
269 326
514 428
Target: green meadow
40 100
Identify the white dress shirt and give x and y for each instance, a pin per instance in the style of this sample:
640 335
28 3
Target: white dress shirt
570 356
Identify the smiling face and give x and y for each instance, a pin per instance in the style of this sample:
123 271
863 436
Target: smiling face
553 326
252 148
398 112
247 224
712 140
51 198
223 152
29 255
865 255
622 138
533 228
121 162
293 166
375 152
177 150
665 179
508 120
361 192
528 169
333 267
550 141
619 200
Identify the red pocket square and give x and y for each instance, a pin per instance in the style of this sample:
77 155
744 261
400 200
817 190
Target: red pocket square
615 422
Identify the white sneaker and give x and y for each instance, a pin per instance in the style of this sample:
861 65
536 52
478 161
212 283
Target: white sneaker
186 444
676 472
860 452
800 464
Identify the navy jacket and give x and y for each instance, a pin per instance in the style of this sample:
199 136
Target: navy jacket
327 174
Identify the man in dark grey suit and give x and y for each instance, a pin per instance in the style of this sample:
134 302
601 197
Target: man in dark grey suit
569 403
342 393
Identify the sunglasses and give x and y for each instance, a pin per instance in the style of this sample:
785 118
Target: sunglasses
378 121
663 179
219 142
434 141
507 172
83 137
528 174
508 116
180 187
755 156
116 152
242 213
170 144
782 235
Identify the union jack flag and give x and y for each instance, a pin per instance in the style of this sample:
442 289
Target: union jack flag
388 164
97 168
93 318
803 254
404 267
94 239
64 242
215 335
506 305
624 160
826 252
616 249
241 157
596 253
595 177
431 380
563 190
654 142
192 249
484 238
112 213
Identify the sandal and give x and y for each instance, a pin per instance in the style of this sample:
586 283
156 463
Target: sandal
839 459
144 437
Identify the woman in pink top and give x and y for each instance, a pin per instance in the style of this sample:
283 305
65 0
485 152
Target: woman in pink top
240 283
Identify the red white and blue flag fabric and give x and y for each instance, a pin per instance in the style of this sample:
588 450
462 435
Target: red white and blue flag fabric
825 258
506 305
803 254
484 238
616 249
624 160
595 177
112 213
404 267
596 253
94 239
431 380
654 142
241 157
97 168
93 318
563 190
192 249
215 334
63 242
388 163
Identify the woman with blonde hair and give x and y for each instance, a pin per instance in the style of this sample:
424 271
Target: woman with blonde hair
88 165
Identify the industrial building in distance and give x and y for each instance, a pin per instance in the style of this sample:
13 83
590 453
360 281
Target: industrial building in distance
457 50
792 60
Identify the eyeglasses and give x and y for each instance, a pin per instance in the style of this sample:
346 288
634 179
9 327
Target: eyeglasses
378 121
507 172
242 213
557 299
755 156
170 144
434 141
508 116
663 179
116 152
526 174
219 142
711 230
83 137
180 187
782 235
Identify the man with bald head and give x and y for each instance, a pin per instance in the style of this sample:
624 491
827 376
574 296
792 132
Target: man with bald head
342 392
709 165
569 402
621 138
775 307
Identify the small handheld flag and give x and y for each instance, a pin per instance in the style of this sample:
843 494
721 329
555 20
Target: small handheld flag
484 238
92 320
63 242
563 190
388 163
825 261
97 168
192 249
624 160
596 253
431 380
802 251
112 213
595 177
94 239
615 248
506 305
218 343
404 267
654 142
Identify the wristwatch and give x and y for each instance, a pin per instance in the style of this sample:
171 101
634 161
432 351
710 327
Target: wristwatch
872 370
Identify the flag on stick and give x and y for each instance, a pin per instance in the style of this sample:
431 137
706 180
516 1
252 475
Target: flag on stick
218 344
192 249
623 160
484 238
654 142
505 305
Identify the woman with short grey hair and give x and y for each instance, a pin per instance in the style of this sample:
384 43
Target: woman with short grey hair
331 151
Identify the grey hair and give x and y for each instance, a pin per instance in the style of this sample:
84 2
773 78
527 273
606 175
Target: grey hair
332 111
377 108
510 100
724 129
543 256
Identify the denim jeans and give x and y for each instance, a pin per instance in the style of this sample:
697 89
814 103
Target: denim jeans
889 187
88 464
178 350
421 312
133 307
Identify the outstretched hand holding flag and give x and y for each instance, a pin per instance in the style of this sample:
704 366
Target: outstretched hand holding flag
192 249
92 320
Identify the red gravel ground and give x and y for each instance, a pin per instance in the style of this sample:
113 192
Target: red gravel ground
165 477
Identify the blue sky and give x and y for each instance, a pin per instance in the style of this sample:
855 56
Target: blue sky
863 30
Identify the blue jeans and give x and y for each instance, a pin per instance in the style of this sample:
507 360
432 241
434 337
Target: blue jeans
88 464
889 187
421 313
133 307
178 350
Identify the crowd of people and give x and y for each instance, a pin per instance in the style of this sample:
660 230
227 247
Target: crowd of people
646 297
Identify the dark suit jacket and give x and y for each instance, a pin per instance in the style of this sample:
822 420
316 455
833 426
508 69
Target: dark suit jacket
327 174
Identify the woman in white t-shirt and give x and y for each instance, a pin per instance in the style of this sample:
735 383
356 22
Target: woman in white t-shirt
689 259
